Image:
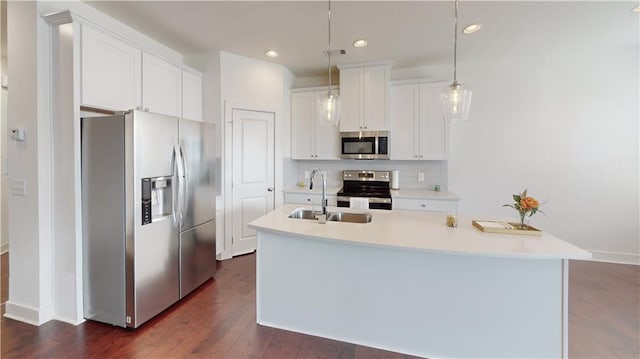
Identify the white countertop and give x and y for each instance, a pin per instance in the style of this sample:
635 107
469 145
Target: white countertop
424 194
421 231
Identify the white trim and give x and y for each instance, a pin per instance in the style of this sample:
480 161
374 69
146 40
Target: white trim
55 13
615 257
419 81
4 248
227 156
71 321
365 64
27 314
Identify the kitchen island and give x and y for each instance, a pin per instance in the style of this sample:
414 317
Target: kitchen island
406 282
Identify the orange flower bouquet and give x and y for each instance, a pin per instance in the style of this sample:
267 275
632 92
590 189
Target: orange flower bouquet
525 205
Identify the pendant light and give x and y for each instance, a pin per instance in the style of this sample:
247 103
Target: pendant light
330 102
456 99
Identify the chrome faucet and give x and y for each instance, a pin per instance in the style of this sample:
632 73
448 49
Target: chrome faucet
324 188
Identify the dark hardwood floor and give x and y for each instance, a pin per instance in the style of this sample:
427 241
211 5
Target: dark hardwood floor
218 321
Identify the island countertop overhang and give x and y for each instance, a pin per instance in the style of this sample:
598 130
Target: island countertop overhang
419 231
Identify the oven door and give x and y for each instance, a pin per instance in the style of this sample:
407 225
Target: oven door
374 203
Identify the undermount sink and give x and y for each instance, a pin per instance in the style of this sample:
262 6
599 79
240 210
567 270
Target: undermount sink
303 214
349 217
332 216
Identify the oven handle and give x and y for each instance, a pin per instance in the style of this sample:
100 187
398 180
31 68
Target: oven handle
371 199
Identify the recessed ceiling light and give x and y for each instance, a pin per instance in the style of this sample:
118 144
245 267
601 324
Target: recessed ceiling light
470 29
360 43
636 9
271 53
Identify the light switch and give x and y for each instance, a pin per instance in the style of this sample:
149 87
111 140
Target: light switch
306 174
18 187
420 176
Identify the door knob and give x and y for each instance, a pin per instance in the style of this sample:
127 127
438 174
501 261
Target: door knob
270 189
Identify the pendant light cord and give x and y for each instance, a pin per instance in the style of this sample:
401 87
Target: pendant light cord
329 46
455 44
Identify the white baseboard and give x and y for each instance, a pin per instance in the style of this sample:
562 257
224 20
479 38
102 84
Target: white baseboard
70 320
4 248
615 257
27 314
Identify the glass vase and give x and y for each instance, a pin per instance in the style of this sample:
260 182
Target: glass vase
522 225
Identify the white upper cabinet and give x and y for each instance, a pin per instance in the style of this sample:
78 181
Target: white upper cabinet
310 139
418 128
364 97
161 86
191 96
110 71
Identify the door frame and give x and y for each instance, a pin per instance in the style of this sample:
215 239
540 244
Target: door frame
227 166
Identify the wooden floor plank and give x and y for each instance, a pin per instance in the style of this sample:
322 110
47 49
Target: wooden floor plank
218 321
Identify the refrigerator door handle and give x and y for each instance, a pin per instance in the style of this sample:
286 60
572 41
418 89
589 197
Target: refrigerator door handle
184 190
174 191
180 183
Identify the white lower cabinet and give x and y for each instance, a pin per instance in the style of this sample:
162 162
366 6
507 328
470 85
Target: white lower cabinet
418 128
311 199
309 139
432 205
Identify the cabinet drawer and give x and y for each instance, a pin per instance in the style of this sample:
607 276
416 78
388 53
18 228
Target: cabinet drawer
432 205
313 199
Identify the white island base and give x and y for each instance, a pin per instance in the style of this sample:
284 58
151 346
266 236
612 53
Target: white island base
406 300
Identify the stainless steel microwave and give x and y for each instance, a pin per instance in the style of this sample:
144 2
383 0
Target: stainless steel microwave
366 145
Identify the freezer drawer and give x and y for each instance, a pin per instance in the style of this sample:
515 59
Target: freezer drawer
197 256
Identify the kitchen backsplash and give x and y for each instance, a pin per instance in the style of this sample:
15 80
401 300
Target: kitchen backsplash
435 172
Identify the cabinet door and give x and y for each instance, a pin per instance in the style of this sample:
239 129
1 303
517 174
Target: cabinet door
404 121
376 80
433 129
191 96
351 89
161 86
110 71
302 134
326 138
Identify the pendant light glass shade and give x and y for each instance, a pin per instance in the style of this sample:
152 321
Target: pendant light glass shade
330 107
456 99
330 102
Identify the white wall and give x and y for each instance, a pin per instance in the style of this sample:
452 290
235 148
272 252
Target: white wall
564 125
259 85
30 285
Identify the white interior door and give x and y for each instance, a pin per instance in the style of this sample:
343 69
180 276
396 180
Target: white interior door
253 176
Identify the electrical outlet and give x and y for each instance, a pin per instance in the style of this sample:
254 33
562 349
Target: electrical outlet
306 174
420 176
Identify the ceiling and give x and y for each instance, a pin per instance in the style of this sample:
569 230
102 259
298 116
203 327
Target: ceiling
409 33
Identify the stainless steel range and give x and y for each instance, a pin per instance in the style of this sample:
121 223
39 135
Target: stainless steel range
374 185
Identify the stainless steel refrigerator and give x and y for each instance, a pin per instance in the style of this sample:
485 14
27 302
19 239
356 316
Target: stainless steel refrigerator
148 214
